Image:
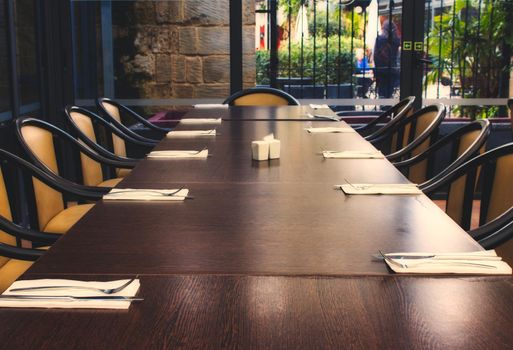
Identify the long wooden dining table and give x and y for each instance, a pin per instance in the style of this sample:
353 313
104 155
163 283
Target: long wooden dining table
267 254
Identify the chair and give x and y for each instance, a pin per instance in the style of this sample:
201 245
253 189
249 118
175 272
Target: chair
90 128
261 96
113 112
391 116
510 107
45 196
460 146
489 177
40 141
410 135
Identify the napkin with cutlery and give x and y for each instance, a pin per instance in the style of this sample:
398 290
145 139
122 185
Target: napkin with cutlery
379 188
480 262
191 133
330 130
211 105
322 116
353 155
202 154
69 298
143 194
192 121
320 106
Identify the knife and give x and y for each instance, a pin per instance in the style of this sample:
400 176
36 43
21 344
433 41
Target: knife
440 257
69 297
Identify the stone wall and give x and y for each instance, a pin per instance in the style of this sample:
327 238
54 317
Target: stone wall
179 49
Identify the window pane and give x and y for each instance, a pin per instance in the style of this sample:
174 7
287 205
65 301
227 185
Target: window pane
26 51
5 93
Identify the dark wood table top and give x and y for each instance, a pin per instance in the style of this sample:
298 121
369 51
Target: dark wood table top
253 228
249 312
300 160
288 113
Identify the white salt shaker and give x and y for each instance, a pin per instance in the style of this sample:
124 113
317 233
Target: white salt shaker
260 150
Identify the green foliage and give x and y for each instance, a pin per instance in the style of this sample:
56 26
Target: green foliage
339 64
473 47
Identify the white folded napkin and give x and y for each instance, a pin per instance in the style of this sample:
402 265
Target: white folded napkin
379 188
192 121
330 130
178 154
143 194
481 262
211 105
128 291
314 106
353 155
191 133
321 116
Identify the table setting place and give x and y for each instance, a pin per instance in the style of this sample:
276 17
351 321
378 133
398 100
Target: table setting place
194 121
71 294
372 189
319 106
146 194
191 133
328 130
211 105
352 155
179 154
478 262
323 116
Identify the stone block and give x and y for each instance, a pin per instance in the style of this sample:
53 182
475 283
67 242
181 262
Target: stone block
178 69
139 64
207 12
248 12
163 68
144 12
213 41
159 91
249 69
169 11
188 41
193 69
165 40
213 91
248 40
183 91
143 39
216 69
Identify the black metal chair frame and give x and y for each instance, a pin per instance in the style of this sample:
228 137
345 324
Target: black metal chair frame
497 231
50 179
452 139
399 127
265 90
70 141
105 114
98 121
391 116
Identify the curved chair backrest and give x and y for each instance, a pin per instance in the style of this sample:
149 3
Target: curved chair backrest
510 108
89 126
261 96
395 113
412 135
114 110
495 170
459 146
38 138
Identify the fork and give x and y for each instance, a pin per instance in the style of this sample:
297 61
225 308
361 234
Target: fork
120 191
101 290
404 266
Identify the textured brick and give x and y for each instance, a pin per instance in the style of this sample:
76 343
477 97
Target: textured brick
183 91
169 11
248 40
188 41
213 91
178 69
216 69
140 64
144 12
207 12
248 12
213 41
193 68
163 68
249 69
165 41
156 91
